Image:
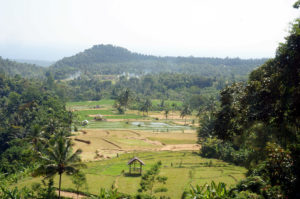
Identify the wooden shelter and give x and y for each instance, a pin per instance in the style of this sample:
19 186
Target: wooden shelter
133 168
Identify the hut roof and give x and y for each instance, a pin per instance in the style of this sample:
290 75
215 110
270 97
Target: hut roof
135 159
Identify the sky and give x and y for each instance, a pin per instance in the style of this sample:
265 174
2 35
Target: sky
53 29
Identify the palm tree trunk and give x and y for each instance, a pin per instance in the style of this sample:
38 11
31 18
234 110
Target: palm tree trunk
77 192
59 186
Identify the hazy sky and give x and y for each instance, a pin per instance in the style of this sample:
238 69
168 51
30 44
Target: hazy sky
52 29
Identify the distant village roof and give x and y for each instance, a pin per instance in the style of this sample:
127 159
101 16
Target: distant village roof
135 159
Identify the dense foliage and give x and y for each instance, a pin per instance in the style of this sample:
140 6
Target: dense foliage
260 120
156 86
29 113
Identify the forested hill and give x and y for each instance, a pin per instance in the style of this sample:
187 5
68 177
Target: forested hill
12 68
43 63
108 59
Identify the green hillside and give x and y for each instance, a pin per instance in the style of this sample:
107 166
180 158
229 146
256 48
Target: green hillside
108 59
12 68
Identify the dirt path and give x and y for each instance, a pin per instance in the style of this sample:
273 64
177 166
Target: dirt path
70 194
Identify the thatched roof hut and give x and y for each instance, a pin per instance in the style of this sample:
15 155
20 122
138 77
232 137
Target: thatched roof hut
134 169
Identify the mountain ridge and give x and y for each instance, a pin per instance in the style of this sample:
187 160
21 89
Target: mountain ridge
110 59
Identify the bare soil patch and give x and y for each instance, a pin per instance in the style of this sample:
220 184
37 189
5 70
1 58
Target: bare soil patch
70 195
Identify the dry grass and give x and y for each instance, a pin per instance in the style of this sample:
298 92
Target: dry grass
109 143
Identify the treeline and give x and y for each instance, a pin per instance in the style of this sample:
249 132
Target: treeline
160 86
258 125
108 59
12 68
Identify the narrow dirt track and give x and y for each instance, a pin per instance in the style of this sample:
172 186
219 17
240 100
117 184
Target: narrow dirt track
70 194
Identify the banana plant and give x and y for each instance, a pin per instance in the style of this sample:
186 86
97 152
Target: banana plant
212 191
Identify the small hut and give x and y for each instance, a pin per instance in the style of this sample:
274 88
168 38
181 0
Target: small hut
99 117
133 168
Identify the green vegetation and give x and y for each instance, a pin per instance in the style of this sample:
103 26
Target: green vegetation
175 165
252 123
207 191
108 59
89 104
257 124
12 68
59 159
151 178
30 113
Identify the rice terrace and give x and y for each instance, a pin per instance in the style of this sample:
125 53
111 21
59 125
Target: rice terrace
109 144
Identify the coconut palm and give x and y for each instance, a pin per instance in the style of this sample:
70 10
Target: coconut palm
167 112
58 158
35 137
145 106
184 112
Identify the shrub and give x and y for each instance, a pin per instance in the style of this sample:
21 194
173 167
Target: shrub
209 148
215 148
99 118
253 184
161 189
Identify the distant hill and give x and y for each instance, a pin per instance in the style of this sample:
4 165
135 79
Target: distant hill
12 68
108 59
42 63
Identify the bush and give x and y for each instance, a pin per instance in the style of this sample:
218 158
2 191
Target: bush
247 195
161 189
209 148
253 184
215 148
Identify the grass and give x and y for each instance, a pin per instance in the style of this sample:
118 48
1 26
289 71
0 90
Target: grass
84 114
156 102
181 168
108 125
85 110
177 166
172 141
108 114
90 104
110 102
105 141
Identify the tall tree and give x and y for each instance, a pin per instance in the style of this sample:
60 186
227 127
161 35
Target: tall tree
146 106
125 98
167 110
184 112
59 159
35 137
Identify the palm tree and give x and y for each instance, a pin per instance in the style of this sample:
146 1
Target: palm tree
184 112
146 105
167 113
58 158
35 137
